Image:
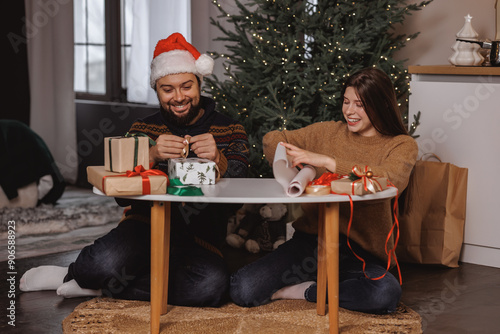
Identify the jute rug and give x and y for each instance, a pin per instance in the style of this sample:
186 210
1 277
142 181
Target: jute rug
106 315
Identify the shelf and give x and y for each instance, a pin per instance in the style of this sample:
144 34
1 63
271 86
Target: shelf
454 70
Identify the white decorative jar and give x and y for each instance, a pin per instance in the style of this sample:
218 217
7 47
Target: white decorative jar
466 54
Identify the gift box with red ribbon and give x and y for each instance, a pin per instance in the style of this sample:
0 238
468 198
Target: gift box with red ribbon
124 153
133 182
359 182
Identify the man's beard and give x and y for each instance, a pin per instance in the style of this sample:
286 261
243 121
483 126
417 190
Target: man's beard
181 121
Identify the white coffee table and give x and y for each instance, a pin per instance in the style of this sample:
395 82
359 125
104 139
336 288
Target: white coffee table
251 190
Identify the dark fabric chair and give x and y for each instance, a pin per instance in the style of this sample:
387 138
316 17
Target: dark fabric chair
24 159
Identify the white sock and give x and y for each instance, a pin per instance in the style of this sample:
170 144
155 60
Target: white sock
296 291
43 278
71 289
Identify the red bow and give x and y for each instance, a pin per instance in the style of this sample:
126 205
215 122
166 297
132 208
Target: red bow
146 184
325 179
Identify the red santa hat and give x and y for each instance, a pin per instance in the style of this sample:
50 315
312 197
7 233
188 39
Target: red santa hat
175 55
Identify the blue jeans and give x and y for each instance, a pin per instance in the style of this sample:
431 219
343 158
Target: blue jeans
119 264
296 261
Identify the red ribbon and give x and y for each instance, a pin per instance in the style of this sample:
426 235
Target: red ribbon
325 179
391 253
140 171
328 177
369 182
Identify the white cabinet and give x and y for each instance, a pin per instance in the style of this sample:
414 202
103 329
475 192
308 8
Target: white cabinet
460 122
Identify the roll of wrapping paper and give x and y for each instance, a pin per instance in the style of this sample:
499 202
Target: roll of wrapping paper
291 179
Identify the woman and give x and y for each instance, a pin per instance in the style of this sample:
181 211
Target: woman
372 135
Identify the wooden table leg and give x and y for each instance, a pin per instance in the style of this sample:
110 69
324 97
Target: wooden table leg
331 250
321 281
160 253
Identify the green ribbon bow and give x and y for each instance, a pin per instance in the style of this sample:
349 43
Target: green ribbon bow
136 146
136 134
176 187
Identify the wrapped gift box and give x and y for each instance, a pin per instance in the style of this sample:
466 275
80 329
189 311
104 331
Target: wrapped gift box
118 184
124 153
347 186
193 170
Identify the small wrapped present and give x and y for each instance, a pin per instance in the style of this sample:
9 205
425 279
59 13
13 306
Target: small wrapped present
124 153
359 183
193 170
137 182
322 185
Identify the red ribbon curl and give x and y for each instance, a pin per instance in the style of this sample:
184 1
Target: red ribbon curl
368 183
325 179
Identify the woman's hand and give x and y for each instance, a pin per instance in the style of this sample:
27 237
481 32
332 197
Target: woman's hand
301 157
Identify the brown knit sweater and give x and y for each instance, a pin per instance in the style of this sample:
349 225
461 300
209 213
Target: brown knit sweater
391 157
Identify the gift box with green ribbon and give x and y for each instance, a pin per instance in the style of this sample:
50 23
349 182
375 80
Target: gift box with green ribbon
126 152
193 170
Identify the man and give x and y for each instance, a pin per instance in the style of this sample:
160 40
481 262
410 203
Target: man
118 264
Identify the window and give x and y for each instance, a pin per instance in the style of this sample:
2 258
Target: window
102 34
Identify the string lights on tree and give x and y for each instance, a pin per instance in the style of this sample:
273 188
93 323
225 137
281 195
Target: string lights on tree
285 60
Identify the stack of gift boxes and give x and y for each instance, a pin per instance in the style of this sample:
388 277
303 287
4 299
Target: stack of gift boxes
127 172
358 182
362 186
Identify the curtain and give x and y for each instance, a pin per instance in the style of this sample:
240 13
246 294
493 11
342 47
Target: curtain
16 105
153 20
49 26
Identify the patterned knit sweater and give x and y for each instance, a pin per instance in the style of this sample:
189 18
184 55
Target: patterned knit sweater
391 157
229 135
204 221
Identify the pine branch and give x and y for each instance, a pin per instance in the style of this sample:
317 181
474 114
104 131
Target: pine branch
286 60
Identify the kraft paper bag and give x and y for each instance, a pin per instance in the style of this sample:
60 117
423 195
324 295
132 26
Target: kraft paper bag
432 216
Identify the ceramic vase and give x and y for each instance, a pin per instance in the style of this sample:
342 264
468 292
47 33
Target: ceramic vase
466 54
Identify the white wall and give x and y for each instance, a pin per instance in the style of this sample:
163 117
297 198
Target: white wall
438 24
454 109
204 33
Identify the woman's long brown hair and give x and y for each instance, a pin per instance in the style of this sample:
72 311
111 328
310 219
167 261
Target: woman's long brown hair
376 92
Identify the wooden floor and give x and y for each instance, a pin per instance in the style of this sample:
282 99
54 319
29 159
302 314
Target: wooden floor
462 300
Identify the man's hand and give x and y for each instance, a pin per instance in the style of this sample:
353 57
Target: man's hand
204 146
167 147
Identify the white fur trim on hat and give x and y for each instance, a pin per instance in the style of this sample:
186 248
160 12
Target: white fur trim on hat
180 61
205 65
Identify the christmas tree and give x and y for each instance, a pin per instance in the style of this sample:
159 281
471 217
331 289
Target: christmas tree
286 61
